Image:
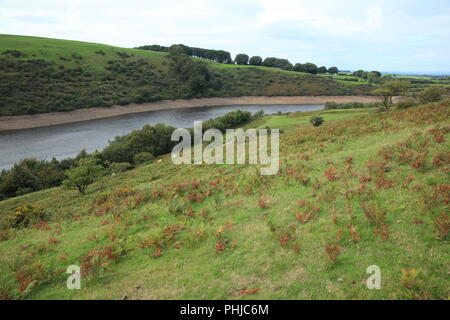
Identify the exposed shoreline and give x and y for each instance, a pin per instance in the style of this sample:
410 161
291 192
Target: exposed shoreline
55 118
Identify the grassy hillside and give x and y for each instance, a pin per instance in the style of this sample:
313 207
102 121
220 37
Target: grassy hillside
41 75
363 189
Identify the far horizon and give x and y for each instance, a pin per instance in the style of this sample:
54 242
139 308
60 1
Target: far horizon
405 72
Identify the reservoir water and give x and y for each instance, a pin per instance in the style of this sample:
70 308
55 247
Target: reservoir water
65 141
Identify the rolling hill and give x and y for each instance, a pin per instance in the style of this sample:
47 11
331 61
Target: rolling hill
43 75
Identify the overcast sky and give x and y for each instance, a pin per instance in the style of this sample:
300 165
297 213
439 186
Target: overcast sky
386 35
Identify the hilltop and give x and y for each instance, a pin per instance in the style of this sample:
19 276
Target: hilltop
365 188
42 75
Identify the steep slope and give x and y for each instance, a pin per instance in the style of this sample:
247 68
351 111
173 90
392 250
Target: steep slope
363 189
43 75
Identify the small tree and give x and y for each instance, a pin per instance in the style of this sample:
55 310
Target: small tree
298 67
83 175
255 61
389 90
310 68
373 77
333 70
322 70
241 59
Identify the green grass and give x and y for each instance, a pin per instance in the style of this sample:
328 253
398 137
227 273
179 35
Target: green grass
53 49
190 266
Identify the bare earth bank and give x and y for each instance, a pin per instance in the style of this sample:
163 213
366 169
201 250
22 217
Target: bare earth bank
54 118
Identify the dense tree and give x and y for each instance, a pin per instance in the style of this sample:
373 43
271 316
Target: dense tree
220 56
210 54
143 157
151 139
154 47
85 174
298 67
390 89
178 49
255 61
333 70
241 59
270 62
359 73
20 180
374 77
310 68
118 150
286 65
193 74
377 73
30 175
230 120
277 63
322 70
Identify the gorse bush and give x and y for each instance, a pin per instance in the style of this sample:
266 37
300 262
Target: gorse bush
407 103
118 167
317 121
432 94
348 105
27 214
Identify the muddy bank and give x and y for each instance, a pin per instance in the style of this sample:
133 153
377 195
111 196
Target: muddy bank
54 118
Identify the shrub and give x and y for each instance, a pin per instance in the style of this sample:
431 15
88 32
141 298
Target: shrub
331 105
373 213
316 121
305 217
143 157
333 252
409 278
348 105
331 173
118 167
406 104
177 206
96 260
432 94
28 214
284 238
382 231
442 224
263 201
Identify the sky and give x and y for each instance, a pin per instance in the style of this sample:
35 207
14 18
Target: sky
385 35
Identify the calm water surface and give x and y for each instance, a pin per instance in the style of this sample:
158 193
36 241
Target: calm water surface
65 141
